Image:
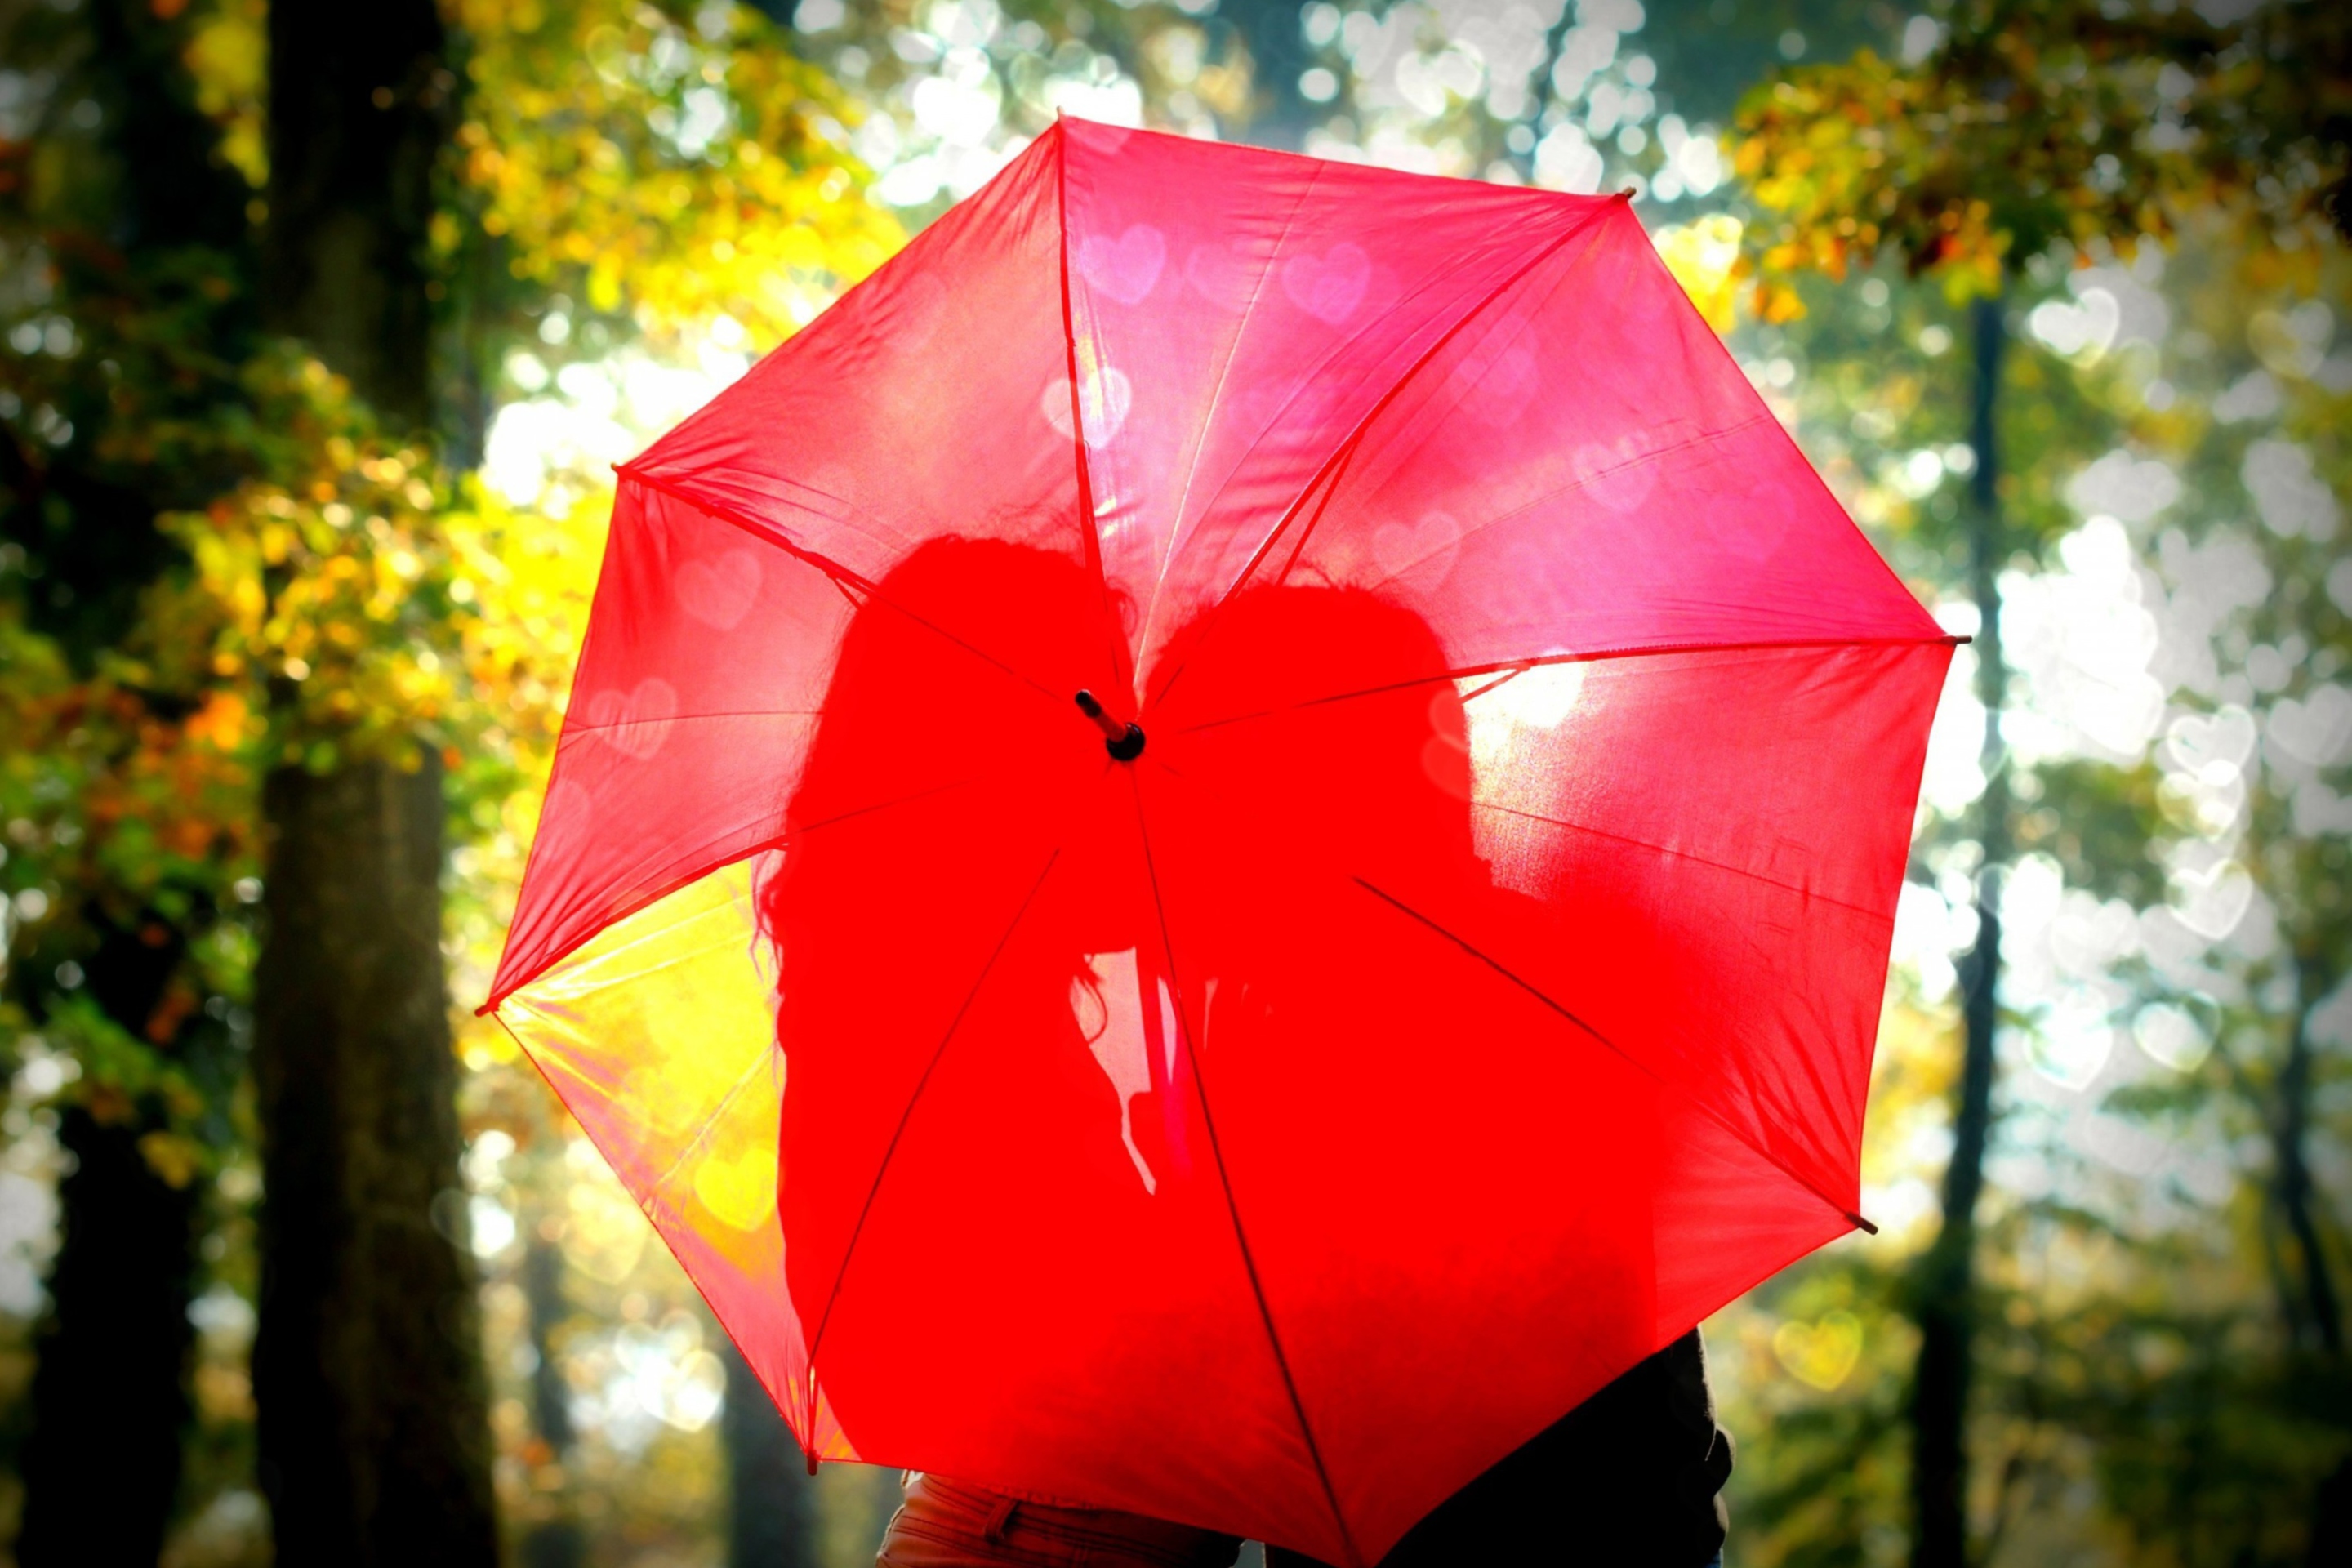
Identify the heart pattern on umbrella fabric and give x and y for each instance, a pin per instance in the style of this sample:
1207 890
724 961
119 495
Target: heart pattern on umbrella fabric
1126 269
1497 386
740 1189
633 722
922 307
1105 397
1220 275
1424 551
1331 285
719 590
1757 529
1619 475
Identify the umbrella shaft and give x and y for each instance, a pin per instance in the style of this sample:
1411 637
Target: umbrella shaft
1124 742
1093 709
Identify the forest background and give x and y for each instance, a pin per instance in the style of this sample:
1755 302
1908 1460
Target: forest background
320 331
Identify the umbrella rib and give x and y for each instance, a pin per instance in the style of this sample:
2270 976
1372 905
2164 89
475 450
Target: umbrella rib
765 1062
1644 1069
663 890
842 575
1802 893
1233 1205
696 719
1512 666
1087 526
1216 399
889 1150
1425 287
1347 449
1584 482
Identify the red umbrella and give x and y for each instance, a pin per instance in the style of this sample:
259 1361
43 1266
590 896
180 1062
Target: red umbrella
1229 838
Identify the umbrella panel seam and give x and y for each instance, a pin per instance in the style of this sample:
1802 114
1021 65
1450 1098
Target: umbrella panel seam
907 1116
1557 1006
841 574
1216 400
1089 526
622 951
809 1437
1808 894
696 719
1233 1203
1323 469
1345 450
1763 1090
1759 1089
1519 665
1580 482
765 1062
638 906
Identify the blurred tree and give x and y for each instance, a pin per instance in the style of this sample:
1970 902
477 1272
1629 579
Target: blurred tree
374 1436
1945 1304
769 1493
2224 1459
2011 129
555 1541
220 565
615 157
1274 42
125 230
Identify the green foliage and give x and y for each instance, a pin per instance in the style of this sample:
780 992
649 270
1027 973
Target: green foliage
2033 124
688 165
2098 822
2158 1379
215 561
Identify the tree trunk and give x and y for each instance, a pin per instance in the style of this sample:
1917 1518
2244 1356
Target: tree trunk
358 109
374 1437
1947 1281
2311 1304
768 1520
2331 1528
102 1467
374 1449
554 1541
101 1464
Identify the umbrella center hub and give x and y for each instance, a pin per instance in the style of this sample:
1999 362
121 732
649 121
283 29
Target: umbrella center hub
1123 741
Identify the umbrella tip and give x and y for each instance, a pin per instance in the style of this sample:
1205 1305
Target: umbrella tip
1863 1225
1626 194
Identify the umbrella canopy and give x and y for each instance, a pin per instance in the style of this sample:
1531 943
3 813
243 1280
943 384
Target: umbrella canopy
1435 965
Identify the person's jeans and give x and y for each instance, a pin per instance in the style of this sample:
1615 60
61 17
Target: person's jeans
947 1525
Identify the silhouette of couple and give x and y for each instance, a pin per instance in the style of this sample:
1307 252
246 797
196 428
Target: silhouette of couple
972 914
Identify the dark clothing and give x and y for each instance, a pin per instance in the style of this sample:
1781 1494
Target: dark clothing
1630 1478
